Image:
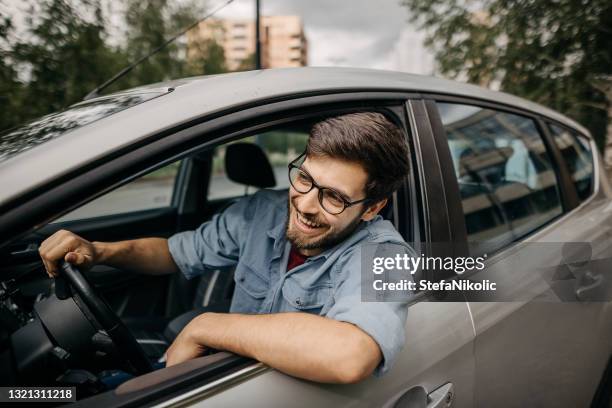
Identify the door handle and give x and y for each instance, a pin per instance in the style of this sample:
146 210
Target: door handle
592 287
441 397
417 397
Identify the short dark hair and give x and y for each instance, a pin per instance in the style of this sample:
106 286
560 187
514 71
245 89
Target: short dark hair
371 140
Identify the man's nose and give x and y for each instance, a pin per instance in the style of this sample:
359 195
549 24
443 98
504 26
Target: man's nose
309 202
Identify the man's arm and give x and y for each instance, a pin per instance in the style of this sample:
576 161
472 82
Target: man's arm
299 344
146 255
214 244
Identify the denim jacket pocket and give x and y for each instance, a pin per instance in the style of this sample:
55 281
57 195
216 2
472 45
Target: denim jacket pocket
251 282
306 299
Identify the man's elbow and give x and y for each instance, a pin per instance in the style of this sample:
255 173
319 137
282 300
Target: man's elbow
359 361
353 373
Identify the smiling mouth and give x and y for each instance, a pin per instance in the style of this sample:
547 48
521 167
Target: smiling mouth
306 225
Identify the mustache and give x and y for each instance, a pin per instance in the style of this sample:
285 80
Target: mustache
309 217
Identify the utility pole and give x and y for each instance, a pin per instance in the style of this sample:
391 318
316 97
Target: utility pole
258 137
257 37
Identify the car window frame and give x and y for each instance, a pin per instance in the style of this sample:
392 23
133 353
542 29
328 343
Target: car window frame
593 152
406 227
402 198
66 191
86 184
567 192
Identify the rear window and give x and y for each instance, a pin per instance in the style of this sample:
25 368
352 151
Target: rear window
17 140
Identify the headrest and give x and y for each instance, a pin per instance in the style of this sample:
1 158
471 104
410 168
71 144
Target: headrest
246 163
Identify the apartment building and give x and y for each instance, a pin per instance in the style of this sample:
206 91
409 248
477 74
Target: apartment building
282 40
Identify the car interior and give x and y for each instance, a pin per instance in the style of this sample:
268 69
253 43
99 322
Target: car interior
45 340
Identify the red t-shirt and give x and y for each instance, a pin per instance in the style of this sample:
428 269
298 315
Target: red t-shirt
295 259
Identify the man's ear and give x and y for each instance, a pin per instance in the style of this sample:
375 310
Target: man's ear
373 210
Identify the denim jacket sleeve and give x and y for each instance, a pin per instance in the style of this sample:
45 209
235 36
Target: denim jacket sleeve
383 321
215 243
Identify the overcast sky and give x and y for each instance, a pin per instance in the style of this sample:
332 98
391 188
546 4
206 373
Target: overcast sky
340 32
359 33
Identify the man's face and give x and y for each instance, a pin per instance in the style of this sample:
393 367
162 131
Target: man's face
310 228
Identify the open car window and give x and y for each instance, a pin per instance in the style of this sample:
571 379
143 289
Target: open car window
193 190
151 191
279 146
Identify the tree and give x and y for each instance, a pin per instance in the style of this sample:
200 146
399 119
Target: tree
152 22
550 52
10 87
206 57
248 63
64 53
66 56
148 29
200 56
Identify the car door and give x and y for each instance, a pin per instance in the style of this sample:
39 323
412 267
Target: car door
436 366
538 342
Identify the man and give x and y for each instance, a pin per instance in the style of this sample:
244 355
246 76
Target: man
297 304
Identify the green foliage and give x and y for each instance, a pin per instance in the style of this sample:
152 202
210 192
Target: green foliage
67 57
283 141
65 53
150 23
551 52
209 58
206 56
148 28
10 88
247 64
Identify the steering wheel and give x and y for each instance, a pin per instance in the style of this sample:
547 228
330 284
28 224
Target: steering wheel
122 338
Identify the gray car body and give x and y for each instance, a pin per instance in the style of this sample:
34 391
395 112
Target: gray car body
485 354
195 98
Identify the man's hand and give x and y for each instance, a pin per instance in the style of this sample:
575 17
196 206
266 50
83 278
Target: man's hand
300 344
66 246
185 346
145 255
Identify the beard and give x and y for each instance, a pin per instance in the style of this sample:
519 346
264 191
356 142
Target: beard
328 240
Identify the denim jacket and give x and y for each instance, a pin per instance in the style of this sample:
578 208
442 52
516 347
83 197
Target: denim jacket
250 236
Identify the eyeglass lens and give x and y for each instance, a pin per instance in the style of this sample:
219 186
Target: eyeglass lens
330 200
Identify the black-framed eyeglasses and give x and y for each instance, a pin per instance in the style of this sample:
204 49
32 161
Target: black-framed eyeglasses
331 200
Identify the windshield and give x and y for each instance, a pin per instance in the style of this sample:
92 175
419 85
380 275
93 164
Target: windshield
14 141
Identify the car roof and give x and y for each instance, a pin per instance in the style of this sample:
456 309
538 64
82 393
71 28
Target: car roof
192 98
